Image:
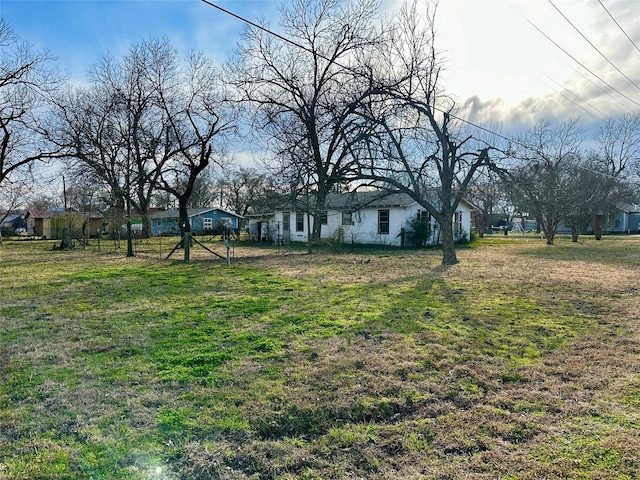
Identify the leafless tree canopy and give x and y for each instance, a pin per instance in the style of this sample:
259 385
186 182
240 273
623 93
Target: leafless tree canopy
414 143
544 182
148 121
302 94
619 144
198 116
27 81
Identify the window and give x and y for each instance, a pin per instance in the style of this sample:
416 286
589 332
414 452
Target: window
323 218
158 223
424 216
207 223
383 221
286 220
299 222
346 218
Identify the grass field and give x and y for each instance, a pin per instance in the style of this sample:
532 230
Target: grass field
521 362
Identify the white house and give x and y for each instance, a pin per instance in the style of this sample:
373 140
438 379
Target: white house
367 217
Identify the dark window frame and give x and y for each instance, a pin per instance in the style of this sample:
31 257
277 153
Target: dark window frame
383 224
299 221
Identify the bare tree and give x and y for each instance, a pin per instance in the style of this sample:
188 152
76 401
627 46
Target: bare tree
133 82
27 81
616 158
605 191
302 92
86 127
488 194
414 144
544 181
115 129
198 116
246 190
619 144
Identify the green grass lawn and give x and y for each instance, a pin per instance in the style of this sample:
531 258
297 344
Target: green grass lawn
521 362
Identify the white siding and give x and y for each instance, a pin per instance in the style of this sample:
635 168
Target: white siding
364 225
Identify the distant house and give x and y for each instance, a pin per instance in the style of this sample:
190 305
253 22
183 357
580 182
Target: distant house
625 220
49 224
39 222
203 221
367 217
14 223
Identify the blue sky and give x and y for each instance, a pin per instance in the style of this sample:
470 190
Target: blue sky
80 31
498 66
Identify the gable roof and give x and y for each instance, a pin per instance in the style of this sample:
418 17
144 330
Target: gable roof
43 213
191 212
357 200
353 201
53 213
12 217
631 208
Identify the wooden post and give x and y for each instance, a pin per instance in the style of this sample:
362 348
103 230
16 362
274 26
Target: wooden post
187 245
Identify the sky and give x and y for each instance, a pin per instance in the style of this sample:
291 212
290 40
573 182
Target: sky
508 63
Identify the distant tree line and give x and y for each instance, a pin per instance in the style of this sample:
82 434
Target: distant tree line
348 102
550 177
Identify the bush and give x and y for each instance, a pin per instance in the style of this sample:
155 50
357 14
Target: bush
418 231
460 237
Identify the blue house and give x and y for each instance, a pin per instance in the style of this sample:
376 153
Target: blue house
14 224
203 221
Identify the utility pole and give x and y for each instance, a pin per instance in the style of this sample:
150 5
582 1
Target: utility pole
64 193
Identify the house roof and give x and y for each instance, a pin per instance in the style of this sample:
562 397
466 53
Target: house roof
43 213
356 200
53 213
11 218
192 212
631 208
91 215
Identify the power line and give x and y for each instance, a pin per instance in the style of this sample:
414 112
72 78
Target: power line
486 130
260 27
580 63
287 40
602 90
573 101
621 29
594 47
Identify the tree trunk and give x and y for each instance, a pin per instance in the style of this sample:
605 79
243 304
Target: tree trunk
598 226
146 222
316 217
185 227
129 238
574 235
575 231
550 226
448 243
